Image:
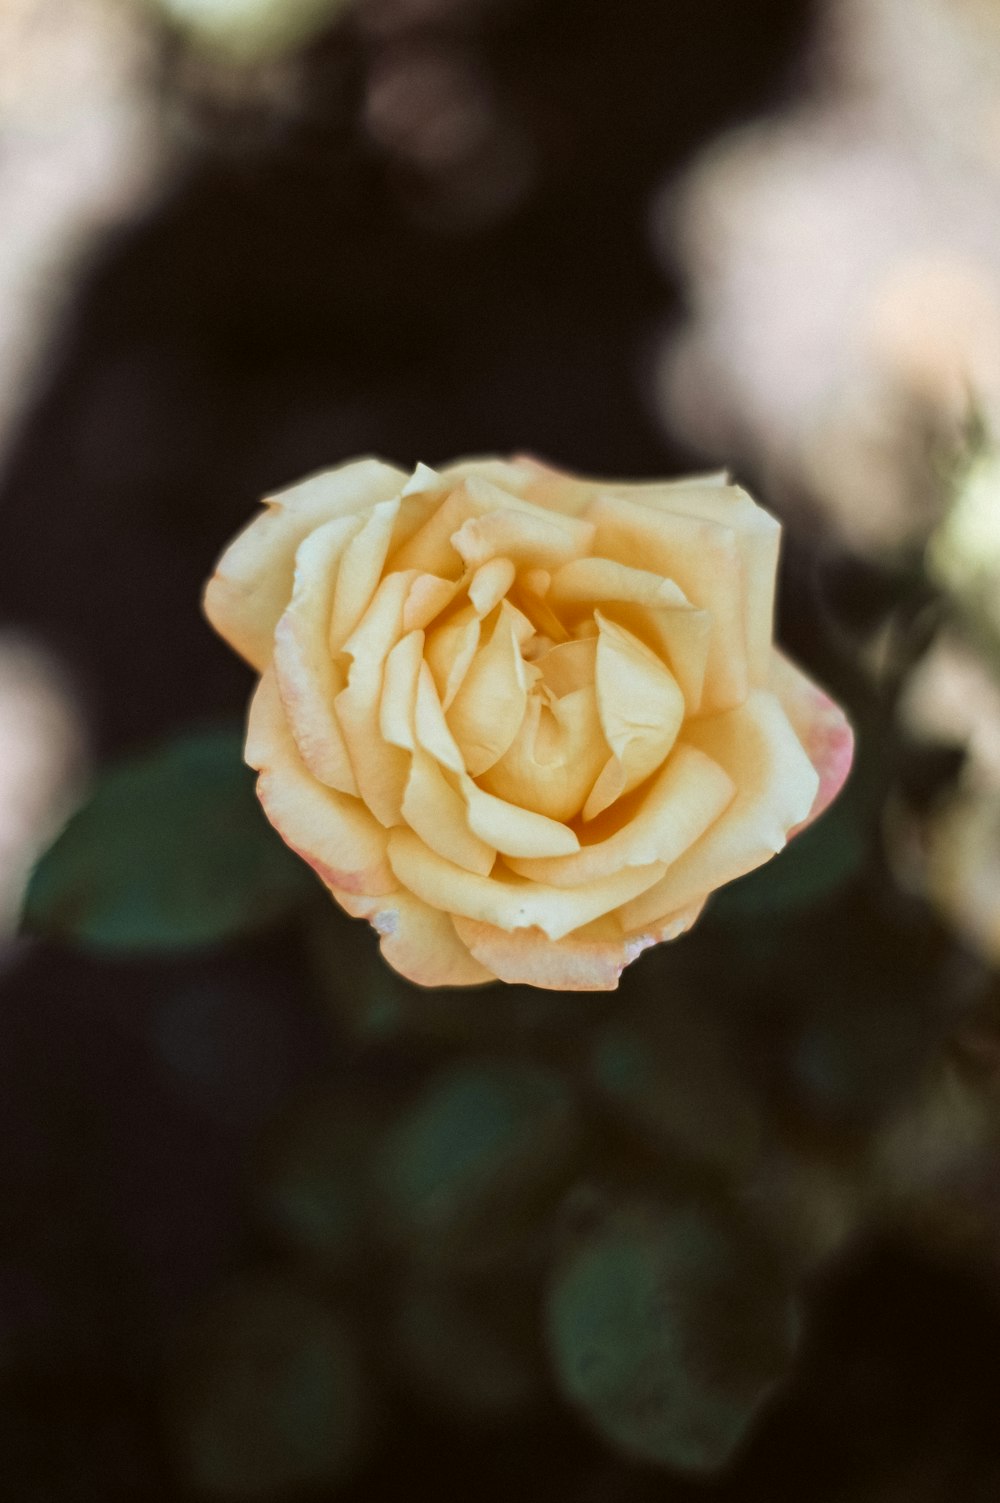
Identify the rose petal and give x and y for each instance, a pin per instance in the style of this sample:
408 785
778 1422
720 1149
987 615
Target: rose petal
714 499
252 583
689 794
641 709
418 941
554 759
333 832
702 557
537 538
820 725
451 646
653 608
490 583
430 550
308 677
526 956
569 666
381 770
360 571
486 713
429 595
398 704
507 901
432 728
512 830
437 813
776 785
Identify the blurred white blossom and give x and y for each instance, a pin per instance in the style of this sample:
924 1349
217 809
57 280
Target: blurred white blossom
41 763
80 149
843 268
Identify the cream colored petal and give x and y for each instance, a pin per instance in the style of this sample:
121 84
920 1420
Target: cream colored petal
333 832
308 677
511 475
704 559
508 901
593 581
670 927
437 813
430 550
451 646
776 785
432 729
686 798
552 762
398 705
380 769
512 830
529 594
489 584
252 583
486 713
429 596
569 666
528 957
418 941
654 608
536 538
641 708
360 571
759 538
821 726
681 637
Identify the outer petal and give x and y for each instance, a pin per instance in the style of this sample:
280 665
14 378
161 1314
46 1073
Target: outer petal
252 583
820 725
333 832
582 962
507 901
776 785
308 676
591 960
418 941
379 767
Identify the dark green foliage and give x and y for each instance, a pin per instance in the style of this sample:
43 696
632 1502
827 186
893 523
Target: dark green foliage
464 1173
311 1182
170 852
668 1330
269 1397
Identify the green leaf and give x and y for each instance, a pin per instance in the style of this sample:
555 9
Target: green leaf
171 851
269 1397
669 1332
467 1171
311 1179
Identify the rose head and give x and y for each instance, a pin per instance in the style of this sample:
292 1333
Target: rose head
524 723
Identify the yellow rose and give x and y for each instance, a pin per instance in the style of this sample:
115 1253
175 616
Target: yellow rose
524 723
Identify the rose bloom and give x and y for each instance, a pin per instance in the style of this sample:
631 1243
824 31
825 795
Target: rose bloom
523 722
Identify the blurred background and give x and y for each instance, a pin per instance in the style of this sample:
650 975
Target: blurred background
274 1224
